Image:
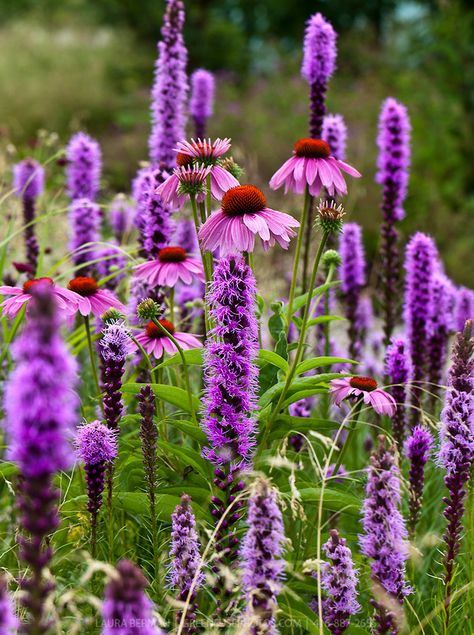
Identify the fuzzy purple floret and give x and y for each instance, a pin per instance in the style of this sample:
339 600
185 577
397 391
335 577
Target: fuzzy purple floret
201 104
84 221
112 263
84 166
398 370
28 179
169 93
439 327
464 308
319 51
115 345
141 188
8 619
96 443
335 134
417 449
229 367
353 278
120 216
158 226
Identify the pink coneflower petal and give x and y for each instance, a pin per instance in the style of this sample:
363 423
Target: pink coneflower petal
382 402
348 168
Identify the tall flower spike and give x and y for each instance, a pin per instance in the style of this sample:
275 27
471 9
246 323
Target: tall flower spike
115 345
335 134
339 581
439 327
169 93
127 610
40 410
158 226
262 558
457 447
9 622
28 182
84 221
202 100
142 186
417 449
319 63
149 438
384 538
420 265
464 308
120 216
398 370
111 265
185 561
84 165
352 274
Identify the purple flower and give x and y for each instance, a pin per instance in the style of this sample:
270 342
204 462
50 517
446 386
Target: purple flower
28 181
127 610
84 221
158 227
335 134
339 580
185 236
384 538
439 328
417 450
319 63
352 274
112 263
120 217
185 561
84 167
115 345
170 89
464 307
262 558
141 188
301 408
398 370
8 620
456 452
149 438
202 100
366 388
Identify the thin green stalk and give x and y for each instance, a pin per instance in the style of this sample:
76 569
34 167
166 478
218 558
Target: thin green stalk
171 299
307 246
205 261
92 360
208 195
350 436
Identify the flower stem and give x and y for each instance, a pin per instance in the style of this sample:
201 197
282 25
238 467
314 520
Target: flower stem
307 245
92 359
350 435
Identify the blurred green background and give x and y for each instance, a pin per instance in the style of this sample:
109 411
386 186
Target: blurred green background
70 64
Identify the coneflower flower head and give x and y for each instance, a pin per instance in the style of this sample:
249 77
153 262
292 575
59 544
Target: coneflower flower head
353 279
398 370
84 221
84 165
330 217
28 179
201 104
186 180
169 93
417 449
120 216
335 134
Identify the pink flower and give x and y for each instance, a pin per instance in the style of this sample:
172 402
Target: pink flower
155 342
186 180
312 165
67 301
381 401
173 264
92 299
207 152
244 214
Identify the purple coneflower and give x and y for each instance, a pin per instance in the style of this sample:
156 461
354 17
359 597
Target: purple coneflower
92 299
40 406
186 180
84 221
66 301
243 215
456 453
169 92
28 182
9 622
262 558
335 134
84 164
201 104
398 370
382 402
172 265
417 450
353 279
156 343
185 561
120 217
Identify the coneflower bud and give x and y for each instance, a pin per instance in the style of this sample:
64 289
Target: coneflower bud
231 166
331 258
202 100
111 315
84 165
149 309
329 216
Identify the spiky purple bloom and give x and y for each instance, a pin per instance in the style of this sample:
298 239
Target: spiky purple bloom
115 345
421 263
201 104
319 63
120 216
334 132
148 438
158 226
112 263
417 450
84 165
141 188
28 182
169 93
262 558
398 370
339 581
40 406
384 538
8 620
185 236
456 452
84 221
439 328
393 172
127 610
185 561
464 308
353 279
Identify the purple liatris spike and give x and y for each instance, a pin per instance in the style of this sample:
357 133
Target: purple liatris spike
352 275
111 265
421 263
141 189
120 217
169 93
185 236
456 452
127 610
40 406
262 558
417 450
84 221
301 408
334 132
398 370
185 575
115 345
202 100
339 581
384 538
464 308
319 63
9 622
439 327
28 182
158 227
84 165
149 438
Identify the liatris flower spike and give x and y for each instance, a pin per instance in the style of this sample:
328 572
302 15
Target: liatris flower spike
243 215
398 369
186 180
9 622
92 299
66 301
155 341
84 221
28 182
202 100
365 387
417 450
120 216
173 265
335 134
84 164
313 166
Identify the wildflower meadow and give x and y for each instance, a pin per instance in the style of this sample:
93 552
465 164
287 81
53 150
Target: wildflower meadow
197 440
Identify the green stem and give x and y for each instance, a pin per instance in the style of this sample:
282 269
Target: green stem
92 360
307 246
205 262
171 299
350 435
208 195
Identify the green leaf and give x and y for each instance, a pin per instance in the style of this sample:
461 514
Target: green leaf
304 383
297 611
333 499
274 359
300 301
190 429
302 394
193 357
319 362
138 503
187 456
285 424
171 394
